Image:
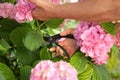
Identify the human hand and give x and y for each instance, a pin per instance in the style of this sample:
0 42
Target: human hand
68 44
42 3
44 9
41 14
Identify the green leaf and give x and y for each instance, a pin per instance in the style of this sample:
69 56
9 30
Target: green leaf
11 1
4 46
71 24
26 57
25 72
54 23
17 35
6 73
57 58
79 61
2 50
109 27
45 54
112 57
6 26
33 40
40 24
87 73
100 73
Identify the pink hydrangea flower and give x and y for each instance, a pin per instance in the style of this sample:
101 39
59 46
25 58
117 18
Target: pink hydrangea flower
24 11
7 10
47 70
79 30
94 42
117 40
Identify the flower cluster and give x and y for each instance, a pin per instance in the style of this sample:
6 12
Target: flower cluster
94 41
21 11
47 70
117 40
7 10
24 11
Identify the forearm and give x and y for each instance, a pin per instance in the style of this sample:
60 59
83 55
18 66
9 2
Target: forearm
88 10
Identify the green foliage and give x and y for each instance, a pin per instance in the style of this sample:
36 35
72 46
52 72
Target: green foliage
17 35
78 61
87 73
22 46
4 46
87 70
25 72
54 23
6 26
109 27
112 57
100 73
6 73
45 54
32 40
26 57
10 1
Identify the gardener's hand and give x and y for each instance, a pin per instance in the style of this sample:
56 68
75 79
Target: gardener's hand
43 11
42 3
68 44
41 14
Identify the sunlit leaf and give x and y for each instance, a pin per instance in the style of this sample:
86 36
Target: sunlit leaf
100 73
78 61
112 57
54 23
109 27
87 73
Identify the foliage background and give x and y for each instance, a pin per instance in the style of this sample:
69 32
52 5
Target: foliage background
22 46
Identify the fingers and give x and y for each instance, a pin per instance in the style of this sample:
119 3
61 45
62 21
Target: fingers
41 3
68 31
69 45
34 1
57 51
52 49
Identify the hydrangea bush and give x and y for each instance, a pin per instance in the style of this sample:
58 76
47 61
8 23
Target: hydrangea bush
25 55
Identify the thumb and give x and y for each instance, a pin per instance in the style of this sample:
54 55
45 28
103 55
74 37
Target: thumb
34 1
68 31
40 3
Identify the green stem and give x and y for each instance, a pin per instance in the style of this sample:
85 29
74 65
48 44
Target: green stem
38 28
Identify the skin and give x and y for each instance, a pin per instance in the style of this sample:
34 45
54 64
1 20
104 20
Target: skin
68 44
86 10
